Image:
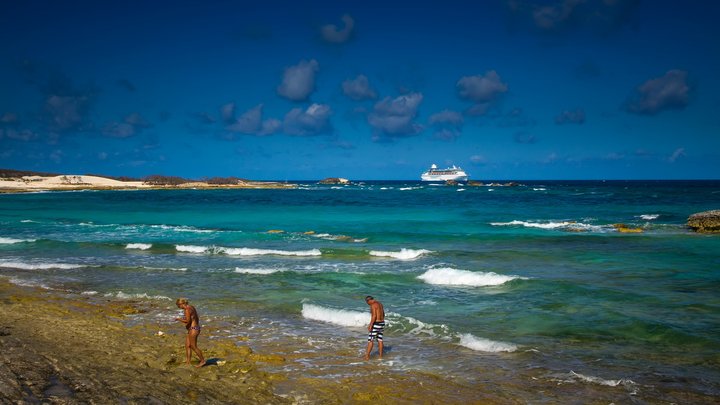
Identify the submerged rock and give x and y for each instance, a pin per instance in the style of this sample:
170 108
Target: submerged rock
705 222
622 228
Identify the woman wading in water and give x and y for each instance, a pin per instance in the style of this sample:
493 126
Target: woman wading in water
192 324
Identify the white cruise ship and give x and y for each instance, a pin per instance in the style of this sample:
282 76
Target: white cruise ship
451 173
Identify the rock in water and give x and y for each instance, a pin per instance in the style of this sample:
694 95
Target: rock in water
705 222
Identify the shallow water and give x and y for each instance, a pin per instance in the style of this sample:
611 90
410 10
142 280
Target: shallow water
489 284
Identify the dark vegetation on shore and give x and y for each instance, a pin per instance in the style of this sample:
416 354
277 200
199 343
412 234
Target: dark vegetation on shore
153 179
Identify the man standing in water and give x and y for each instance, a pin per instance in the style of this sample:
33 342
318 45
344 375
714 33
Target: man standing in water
192 324
376 327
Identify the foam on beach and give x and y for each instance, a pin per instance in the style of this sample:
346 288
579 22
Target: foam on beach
335 316
403 254
40 266
245 251
10 241
485 345
139 246
597 380
455 277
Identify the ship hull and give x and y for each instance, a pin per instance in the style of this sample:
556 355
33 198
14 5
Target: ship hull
444 177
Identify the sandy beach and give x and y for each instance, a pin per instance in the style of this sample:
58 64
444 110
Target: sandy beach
72 182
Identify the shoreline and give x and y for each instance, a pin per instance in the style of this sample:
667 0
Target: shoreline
64 348
29 184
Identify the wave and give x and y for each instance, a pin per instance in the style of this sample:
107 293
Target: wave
564 225
335 316
403 254
649 217
41 266
450 276
597 380
9 241
255 271
28 283
124 296
245 251
140 246
485 345
414 326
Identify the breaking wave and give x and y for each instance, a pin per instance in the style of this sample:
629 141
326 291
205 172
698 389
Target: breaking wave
245 251
403 254
140 246
450 276
563 225
485 345
124 296
40 266
255 271
9 241
335 316
573 376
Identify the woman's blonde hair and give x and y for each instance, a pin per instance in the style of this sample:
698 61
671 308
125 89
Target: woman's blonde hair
181 301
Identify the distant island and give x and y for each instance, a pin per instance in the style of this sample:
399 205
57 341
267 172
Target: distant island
18 181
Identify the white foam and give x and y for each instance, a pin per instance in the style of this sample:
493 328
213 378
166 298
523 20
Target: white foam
409 188
461 189
601 381
415 326
259 252
335 316
191 248
539 189
245 251
9 241
40 266
255 271
123 296
649 217
450 276
403 254
181 228
89 293
485 345
140 246
27 221
28 283
567 225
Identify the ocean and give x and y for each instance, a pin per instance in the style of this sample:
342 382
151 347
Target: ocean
520 288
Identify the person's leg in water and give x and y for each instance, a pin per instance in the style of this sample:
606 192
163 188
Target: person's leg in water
192 339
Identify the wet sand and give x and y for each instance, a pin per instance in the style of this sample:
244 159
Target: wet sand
68 349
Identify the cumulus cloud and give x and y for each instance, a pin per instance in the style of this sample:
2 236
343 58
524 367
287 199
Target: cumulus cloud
570 117
315 120
333 34
66 113
601 16
358 89
251 123
679 152
447 125
394 117
299 81
483 90
671 91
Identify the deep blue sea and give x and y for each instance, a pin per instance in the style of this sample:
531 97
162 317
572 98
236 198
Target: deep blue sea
481 285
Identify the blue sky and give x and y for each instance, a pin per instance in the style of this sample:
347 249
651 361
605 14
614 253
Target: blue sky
570 89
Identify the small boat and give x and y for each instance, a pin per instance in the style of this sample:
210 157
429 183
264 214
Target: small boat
451 173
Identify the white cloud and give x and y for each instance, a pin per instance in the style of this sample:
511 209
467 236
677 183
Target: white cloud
481 88
394 117
332 33
315 120
679 152
358 89
299 81
251 123
447 117
227 113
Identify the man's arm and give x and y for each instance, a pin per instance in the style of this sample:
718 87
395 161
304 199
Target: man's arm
373 316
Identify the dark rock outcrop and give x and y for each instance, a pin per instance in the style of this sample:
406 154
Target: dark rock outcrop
334 180
705 222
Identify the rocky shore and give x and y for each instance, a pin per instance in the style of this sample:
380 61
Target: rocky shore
67 349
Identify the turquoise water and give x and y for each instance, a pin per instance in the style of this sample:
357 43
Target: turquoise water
480 283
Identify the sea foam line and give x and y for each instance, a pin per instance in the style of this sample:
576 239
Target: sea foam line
567 225
342 317
245 251
124 296
450 276
601 381
9 241
484 345
403 254
40 266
